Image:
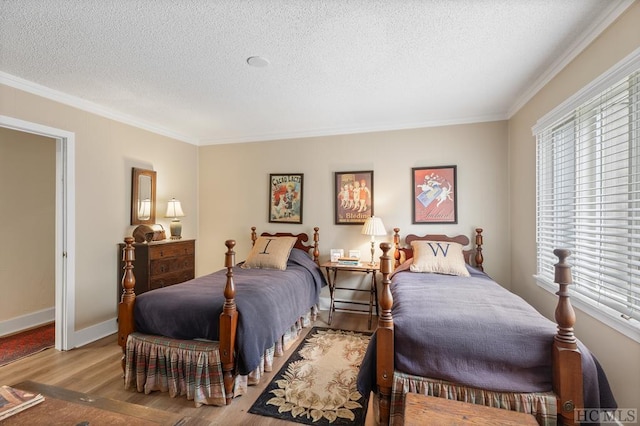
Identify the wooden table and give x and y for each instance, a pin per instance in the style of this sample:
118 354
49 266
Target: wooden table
364 268
422 410
67 407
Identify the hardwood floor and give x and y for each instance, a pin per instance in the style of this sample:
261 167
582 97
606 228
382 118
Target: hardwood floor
95 369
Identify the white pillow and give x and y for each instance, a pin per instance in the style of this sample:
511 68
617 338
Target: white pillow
440 257
270 253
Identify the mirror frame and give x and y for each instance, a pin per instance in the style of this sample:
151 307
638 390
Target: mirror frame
135 189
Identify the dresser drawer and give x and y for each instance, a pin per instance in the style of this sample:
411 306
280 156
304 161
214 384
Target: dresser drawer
171 250
172 278
173 264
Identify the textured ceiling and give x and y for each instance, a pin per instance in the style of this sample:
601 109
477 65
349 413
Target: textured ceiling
179 67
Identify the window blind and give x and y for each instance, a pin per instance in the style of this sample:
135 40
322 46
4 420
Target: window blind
588 194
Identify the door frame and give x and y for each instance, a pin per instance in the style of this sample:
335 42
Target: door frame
64 223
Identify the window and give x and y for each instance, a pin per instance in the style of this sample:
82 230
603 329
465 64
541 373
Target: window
588 195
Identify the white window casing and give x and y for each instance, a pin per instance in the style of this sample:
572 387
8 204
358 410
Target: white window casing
588 195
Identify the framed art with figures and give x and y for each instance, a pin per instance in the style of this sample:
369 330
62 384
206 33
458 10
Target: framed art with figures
285 197
353 197
434 195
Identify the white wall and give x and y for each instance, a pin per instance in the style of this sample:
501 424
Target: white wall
619 355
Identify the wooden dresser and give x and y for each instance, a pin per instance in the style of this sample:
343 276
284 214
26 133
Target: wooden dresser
160 264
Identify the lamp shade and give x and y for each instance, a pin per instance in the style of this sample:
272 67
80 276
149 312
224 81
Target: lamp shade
373 226
174 209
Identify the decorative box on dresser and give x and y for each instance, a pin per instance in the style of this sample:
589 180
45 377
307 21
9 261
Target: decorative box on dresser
160 264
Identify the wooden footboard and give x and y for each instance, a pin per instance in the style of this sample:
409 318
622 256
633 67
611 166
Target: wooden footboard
228 318
566 358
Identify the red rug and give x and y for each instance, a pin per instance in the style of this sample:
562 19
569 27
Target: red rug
26 343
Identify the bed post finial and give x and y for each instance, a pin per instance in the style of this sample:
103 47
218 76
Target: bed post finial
128 279
396 244
565 315
479 258
385 338
229 261
254 236
316 238
229 324
567 362
386 302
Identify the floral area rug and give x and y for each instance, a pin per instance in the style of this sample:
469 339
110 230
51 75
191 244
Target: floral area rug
17 346
317 385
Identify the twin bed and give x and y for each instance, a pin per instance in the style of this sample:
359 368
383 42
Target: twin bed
210 337
458 334
454 333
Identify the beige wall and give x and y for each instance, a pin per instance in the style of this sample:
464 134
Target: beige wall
233 187
105 152
27 203
619 355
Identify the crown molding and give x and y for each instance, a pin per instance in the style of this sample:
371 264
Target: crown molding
84 105
612 13
308 134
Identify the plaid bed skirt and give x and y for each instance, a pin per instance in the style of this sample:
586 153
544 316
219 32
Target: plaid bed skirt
192 367
541 405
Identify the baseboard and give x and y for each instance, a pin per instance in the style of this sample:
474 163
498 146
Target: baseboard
324 303
27 321
94 332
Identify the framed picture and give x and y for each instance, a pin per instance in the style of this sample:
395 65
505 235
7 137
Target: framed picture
434 195
336 254
285 198
353 197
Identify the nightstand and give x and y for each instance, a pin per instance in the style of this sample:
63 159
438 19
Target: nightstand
365 268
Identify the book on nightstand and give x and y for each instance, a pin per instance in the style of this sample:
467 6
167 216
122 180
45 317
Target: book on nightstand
348 261
13 401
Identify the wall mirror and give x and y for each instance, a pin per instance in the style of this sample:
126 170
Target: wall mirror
143 197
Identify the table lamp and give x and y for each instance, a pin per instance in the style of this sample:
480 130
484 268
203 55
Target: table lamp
373 226
174 210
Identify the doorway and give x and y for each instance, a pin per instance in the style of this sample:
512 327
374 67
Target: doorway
64 225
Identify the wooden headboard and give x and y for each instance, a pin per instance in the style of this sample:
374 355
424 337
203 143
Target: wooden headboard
472 256
301 240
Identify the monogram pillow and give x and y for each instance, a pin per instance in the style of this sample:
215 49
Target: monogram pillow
270 253
440 257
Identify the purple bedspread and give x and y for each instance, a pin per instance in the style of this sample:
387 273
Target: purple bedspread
474 332
268 301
